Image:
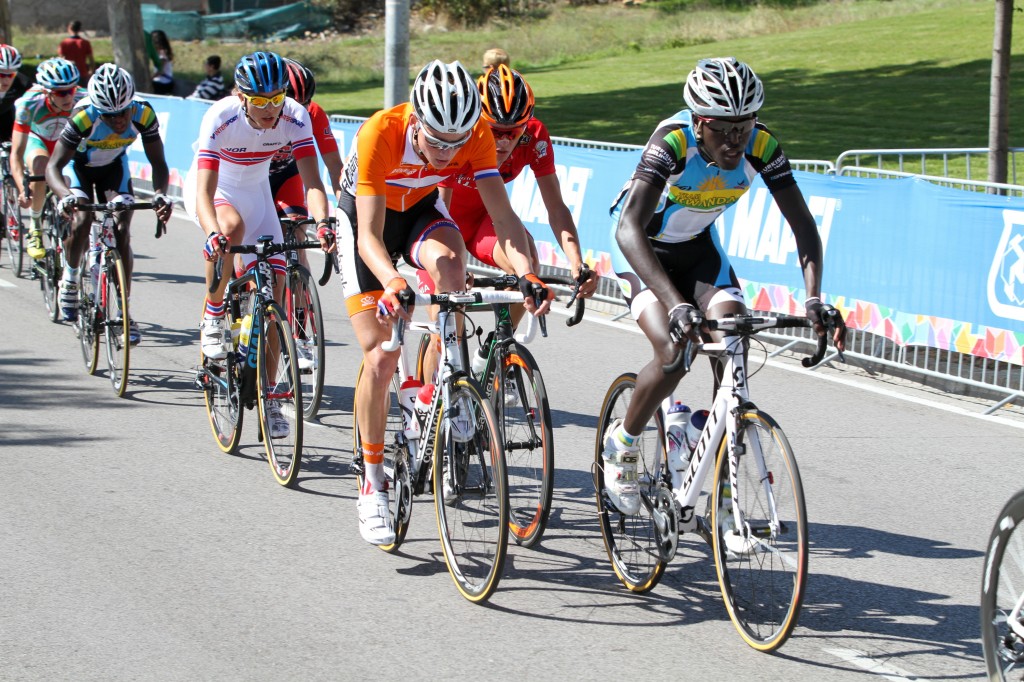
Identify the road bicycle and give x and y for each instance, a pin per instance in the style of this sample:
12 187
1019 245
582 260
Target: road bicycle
453 450
1002 594
755 517
305 316
262 369
512 381
103 298
49 269
13 231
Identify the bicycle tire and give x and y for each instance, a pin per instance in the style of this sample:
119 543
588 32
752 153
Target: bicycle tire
114 299
51 268
221 383
87 326
1001 586
306 318
762 570
472 510
15 227
396 464
520 401
631 540
279 385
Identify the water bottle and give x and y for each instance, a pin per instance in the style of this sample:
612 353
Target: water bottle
243 335
479 362
95 256
676 422
693 430
424 399
407 401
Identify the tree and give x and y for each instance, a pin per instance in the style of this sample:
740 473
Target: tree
999 114
5 23
128 39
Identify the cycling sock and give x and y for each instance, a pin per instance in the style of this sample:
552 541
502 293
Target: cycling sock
373 467
214 310
625 438
70 274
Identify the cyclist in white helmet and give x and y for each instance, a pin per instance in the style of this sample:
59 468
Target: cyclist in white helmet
12 86
390 200
90 164
668 258
39 116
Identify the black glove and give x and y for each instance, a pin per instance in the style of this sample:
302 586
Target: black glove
532 287
681 321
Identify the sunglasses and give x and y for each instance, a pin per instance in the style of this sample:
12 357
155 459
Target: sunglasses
115 114
6 75
508 133
442 145
262 102
63 92
722 127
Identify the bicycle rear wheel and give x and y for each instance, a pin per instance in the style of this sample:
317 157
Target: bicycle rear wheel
307 322
15 229
470 492
114 298
396 463
631 540
1002 627
761 567
280 395
521 403
87 327
51 268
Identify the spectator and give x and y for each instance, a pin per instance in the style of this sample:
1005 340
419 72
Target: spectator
163 76
211 87
495 56
78 50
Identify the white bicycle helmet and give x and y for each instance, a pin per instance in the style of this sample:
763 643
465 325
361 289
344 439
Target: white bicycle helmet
57 73
445 97
10 58
111 89
723 86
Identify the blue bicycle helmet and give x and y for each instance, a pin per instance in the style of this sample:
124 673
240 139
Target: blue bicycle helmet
261 72
57 73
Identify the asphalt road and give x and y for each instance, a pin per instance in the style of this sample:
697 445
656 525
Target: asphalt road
132 548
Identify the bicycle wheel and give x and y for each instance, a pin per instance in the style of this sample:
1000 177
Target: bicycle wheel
221 381
51 268
631 540
521 403
307 323
15 229
762 567
1002 627
280 395
396 463
114 299
88 325
472 504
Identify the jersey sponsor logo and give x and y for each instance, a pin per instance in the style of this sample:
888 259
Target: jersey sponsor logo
368 301
1006 275
705 199
541 149
235 150
223 126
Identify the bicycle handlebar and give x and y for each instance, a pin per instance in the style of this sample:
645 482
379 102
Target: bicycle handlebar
512 281
263 250
289 225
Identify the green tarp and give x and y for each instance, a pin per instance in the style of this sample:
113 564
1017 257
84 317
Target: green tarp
275 23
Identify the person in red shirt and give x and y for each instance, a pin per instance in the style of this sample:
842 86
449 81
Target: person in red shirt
77 49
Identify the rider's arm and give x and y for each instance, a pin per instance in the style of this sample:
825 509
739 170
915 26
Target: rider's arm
62 155
640 203
154 150
334 167
19 141
316 198
808 243
445 194
370 210
510 230
564 228
206 188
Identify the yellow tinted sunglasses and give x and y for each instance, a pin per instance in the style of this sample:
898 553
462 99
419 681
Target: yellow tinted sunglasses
261 102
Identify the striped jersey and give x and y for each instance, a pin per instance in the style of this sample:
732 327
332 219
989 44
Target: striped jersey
96 143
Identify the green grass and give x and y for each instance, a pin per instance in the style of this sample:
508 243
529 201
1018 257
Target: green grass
841 75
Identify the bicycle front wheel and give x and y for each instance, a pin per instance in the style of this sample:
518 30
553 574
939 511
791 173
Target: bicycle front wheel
87 327
761 563
396 463
51 268
280 395
307 322
114 298
1002 591
15 229
631 540
521 403
470 491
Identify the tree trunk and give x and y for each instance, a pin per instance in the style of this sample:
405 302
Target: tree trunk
999 110
5 23
128 40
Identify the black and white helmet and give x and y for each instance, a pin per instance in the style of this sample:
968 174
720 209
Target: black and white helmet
723 86
111 89
445 97
10 58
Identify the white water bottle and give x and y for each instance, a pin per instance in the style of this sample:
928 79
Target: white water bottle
676 422
424 399
407 400
95 255
693 429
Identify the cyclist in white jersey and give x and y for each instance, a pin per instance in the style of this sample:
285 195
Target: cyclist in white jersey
227 191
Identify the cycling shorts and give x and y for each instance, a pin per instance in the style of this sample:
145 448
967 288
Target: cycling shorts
404 233
288 191
480 244
35 145
94 183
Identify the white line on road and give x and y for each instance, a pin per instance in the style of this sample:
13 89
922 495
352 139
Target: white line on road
865 662
4 283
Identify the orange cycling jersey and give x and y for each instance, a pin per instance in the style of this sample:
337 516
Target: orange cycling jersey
385 161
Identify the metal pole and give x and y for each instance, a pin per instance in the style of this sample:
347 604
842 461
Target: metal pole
396 52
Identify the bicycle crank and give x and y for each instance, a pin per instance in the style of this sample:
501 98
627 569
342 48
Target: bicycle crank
666 523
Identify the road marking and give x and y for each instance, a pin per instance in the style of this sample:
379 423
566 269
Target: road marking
4 283
865 662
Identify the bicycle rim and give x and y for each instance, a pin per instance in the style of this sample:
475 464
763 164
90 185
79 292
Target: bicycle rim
472 507
630 540
521 403
396 464
51 271
15 228
280 391
1001 589
762 567
87 325
115 321
307 321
